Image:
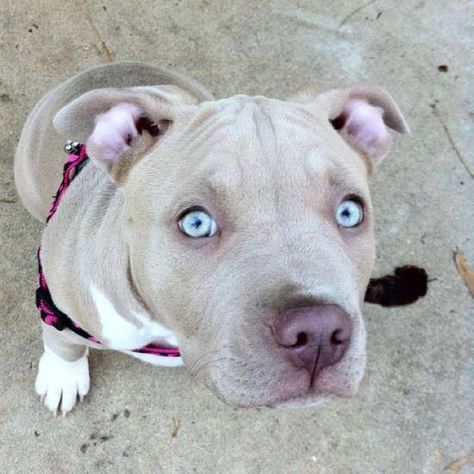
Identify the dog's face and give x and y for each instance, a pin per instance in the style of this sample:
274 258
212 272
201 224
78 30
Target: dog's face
250 231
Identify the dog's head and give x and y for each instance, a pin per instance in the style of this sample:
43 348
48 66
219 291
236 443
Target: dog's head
249 226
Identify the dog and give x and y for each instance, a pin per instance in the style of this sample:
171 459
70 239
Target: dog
234 236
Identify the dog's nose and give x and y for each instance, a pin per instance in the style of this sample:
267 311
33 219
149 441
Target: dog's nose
313 338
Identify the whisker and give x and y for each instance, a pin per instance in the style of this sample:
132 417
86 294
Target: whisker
207 365
201 357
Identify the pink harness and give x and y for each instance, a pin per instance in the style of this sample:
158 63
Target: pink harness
49 312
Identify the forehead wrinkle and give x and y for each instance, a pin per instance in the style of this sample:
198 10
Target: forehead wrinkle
349 186
272 125
225 123
263 122
299 116
241 119
334 175
279 117
204 128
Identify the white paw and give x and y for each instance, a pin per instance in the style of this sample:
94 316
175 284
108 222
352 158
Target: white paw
59 382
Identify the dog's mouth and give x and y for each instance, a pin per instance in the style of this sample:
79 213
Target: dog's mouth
330 384
295 363
281 388
286 398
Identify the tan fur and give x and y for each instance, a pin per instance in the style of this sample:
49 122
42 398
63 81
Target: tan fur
39 158
271 171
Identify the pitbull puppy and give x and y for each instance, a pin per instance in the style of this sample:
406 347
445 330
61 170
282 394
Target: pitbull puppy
239 230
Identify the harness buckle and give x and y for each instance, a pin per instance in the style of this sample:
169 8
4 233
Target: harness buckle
71 147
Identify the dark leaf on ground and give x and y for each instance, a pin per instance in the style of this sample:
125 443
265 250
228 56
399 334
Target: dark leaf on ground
405 286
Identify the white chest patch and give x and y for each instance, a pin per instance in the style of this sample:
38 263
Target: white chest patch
123 335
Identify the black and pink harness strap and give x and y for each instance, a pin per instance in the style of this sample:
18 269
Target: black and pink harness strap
49 312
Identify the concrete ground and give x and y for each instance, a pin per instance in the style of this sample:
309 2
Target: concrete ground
414 412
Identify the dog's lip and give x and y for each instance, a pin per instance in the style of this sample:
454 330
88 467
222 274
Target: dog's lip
301 401
295 390
306 394
309 398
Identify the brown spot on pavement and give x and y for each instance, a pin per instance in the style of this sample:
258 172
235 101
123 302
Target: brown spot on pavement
405 286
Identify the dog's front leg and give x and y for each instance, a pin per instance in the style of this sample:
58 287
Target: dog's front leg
63 371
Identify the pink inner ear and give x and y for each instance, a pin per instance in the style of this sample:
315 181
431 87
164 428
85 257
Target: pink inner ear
364 122
114 131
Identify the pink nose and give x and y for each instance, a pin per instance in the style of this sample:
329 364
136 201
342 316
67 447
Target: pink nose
313 338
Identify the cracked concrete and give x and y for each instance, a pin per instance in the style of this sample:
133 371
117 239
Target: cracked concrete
414 411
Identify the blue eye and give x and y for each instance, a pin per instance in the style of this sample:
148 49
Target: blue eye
349 213
197 224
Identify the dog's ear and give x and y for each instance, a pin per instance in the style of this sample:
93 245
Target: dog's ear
118 126
361 115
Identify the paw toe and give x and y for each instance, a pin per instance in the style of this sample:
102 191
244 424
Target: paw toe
59 382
